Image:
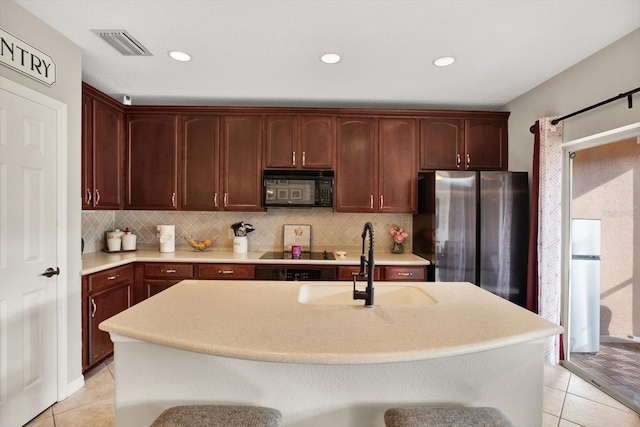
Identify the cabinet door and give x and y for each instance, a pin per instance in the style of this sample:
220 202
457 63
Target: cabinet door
200 160
398 165
356 168
241 164
441 144
152 162
153 286
87 152
102 305
108 159
317 142
280 142
486 144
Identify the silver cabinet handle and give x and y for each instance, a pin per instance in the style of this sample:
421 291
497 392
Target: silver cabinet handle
215 200
381 201
405 274
294 158
88 196
168 270
95 307
226 199
371 201
113 277
173 200
468 159
97 196
457 160
304 158
226 271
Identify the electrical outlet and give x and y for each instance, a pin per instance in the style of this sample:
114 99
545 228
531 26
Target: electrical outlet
230 234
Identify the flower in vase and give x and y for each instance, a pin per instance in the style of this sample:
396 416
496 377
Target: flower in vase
398 234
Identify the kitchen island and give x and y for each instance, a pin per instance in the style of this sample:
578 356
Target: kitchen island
320 364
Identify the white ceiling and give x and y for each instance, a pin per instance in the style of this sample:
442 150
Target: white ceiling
253 52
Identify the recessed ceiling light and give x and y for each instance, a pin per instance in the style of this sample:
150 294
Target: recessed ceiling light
444 61
179 56
330 58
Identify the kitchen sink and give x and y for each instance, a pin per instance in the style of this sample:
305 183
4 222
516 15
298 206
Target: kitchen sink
390 295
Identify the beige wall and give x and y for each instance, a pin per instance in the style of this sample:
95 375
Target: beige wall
67 89
606 186
609 72
611 189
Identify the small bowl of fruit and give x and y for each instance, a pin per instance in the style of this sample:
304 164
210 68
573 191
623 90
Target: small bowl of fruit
200 245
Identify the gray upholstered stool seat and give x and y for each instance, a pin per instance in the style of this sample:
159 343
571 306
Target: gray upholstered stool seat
445 417
218 416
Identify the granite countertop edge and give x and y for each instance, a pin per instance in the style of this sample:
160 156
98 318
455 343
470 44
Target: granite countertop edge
98 261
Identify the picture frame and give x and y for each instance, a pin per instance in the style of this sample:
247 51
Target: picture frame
297 234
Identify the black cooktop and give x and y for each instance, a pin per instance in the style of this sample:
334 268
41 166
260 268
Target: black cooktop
303 256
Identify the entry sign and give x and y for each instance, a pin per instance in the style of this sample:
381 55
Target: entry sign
26 59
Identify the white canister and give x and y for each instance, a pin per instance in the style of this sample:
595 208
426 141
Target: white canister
240 245
114 244
129 242
167 236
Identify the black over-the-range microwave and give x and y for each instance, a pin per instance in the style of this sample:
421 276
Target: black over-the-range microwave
288 188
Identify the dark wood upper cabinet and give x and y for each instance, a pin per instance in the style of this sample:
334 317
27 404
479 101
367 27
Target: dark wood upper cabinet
152 161
464 144
241 163
357 148
299 142
102 152
281 141
486 144
317 142
87 152
441 143
377 166
200 145
398 165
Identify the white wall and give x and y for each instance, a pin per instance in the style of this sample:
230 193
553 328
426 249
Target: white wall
607 73
68 90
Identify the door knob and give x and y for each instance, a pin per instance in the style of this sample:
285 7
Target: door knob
51 272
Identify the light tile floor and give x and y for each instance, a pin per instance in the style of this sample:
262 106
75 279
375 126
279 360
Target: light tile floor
568 401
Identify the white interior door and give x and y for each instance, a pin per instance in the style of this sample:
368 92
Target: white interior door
28 246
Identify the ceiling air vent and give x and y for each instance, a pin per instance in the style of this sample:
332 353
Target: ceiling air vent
123 42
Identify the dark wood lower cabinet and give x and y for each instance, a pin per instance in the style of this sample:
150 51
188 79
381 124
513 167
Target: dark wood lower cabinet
387 273
152 278
105 294
226 271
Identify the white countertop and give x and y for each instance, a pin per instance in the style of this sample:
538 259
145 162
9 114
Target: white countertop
98 261
262 320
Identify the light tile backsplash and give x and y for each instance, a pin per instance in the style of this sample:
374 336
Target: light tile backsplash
329 230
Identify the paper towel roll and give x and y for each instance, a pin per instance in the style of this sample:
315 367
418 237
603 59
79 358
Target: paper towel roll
167 236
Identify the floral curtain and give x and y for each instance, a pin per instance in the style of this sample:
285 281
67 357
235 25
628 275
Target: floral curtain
544 281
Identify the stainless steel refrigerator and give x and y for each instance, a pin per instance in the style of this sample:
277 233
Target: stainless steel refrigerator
584 285
473 227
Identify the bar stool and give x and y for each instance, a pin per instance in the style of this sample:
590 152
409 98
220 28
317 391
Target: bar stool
445 417
218 416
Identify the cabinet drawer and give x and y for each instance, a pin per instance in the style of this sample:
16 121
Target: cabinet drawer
163 271
417 274
226 271
109 278
346 273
